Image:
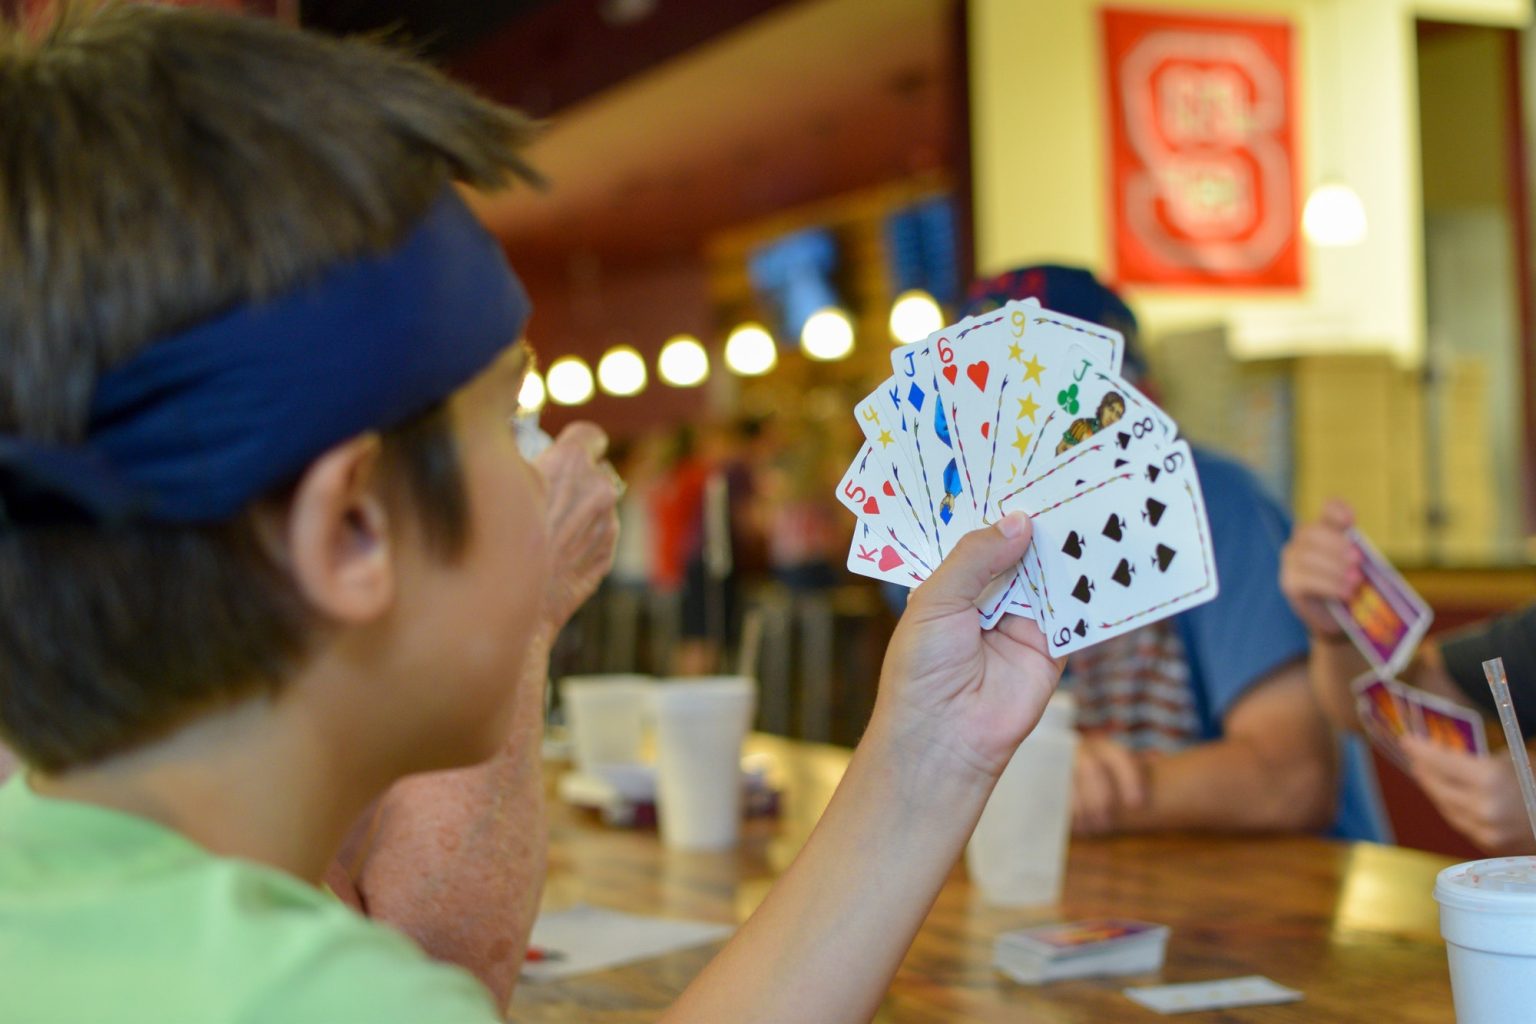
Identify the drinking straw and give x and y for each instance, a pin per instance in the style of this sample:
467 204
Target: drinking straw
1499 682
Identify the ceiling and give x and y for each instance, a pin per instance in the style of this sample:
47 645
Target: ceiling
674 119
797 104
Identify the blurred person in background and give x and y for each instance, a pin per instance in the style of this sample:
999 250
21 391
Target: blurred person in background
1479 796
1205 720
639 463
677 523
722 549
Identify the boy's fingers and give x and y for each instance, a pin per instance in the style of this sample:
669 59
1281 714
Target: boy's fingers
588 436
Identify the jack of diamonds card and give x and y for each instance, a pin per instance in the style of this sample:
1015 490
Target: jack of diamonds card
1122 552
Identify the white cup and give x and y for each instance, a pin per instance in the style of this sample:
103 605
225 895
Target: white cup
1018 853
700 724
1488 918
606 716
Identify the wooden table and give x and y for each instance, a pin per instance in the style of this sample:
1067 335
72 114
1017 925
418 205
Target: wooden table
1353 926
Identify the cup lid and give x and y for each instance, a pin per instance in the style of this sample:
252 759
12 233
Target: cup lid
1500 879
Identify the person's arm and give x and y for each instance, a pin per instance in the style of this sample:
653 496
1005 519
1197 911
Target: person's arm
1273 769
456 859
953 704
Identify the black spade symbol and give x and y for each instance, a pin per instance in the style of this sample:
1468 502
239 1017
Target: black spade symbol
1074 545
1081 629
1155 510
1152 474
1124 440
1084 589
1164 557
1114 527
1123 572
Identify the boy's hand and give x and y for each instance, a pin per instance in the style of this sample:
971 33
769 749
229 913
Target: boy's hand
1107 779
1479 796
1319 564
581 509
948 685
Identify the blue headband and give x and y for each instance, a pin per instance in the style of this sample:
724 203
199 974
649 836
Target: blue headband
194 426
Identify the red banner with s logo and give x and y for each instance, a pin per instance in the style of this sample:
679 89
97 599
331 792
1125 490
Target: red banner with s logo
1202 150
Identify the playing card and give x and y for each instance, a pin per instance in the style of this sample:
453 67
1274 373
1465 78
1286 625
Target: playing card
936 461
1385 619
1121 552
1095 403
965 355
1076 937
879 416
882 558
1021 368
1252 990
993 372
1382 715
872 491
1444 722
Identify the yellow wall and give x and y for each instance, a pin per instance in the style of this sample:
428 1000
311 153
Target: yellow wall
1038 139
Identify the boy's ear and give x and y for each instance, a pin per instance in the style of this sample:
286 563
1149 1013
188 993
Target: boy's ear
335 534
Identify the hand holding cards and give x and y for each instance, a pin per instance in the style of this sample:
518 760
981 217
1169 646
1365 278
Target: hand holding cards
1386 620
1022 409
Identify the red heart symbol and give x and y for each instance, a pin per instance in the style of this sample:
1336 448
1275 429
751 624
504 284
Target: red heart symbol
949 373
870 508
890 492
986 429
978 374
889 559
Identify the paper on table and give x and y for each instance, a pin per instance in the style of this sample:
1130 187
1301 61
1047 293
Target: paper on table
1252 990
593 939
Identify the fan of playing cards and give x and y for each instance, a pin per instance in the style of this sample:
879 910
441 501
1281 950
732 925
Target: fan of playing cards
1022 409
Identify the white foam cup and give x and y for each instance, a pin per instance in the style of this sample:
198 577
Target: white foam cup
700 724
1488 918
606 716
1017 856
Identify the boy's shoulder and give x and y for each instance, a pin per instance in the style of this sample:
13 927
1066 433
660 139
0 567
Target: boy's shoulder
108 917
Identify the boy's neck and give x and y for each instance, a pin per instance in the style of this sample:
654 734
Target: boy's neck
260 780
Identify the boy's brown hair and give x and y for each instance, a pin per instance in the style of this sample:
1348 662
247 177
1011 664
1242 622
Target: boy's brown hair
157 166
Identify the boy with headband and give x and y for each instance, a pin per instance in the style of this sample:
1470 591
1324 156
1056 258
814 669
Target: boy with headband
268 546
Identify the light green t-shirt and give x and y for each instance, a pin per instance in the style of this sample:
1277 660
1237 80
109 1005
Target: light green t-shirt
108 918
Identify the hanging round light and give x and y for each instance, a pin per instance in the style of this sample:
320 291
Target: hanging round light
1334 216
683 363
621 371
827 334
569 381
530 398
750 350
914 316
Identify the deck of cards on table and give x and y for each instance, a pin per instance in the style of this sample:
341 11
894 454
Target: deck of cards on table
1023 409
1080 949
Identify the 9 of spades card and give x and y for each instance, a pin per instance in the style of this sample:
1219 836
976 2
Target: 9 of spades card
1120 552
